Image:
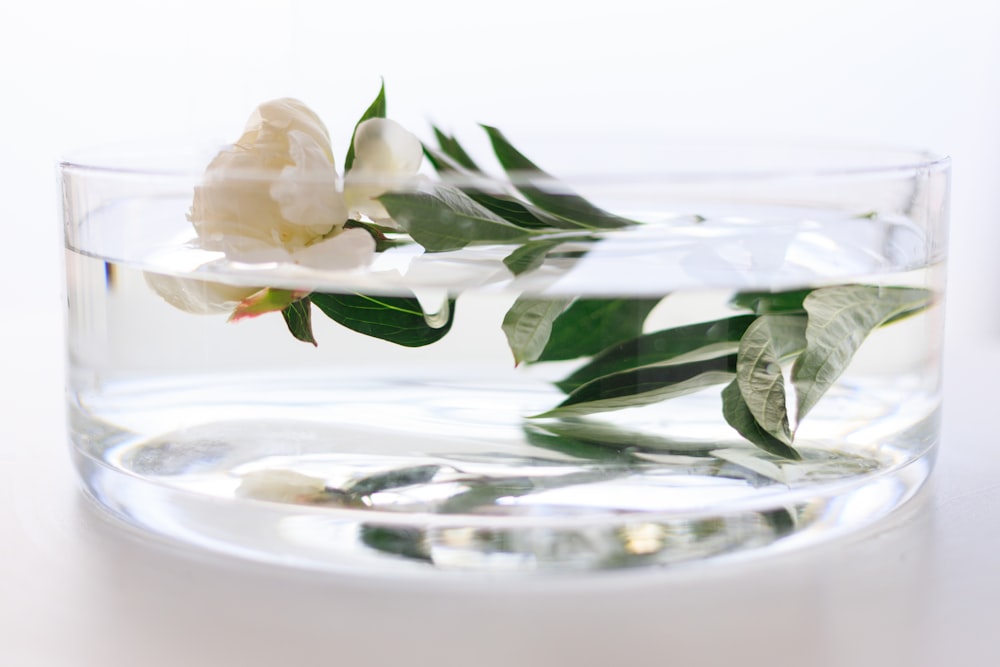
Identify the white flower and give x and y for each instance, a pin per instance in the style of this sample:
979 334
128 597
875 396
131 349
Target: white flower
276 187
386 157
275 196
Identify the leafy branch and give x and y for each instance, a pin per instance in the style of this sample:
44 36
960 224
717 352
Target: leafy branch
775 360
815 332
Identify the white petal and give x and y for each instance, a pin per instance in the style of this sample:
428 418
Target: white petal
273 119
350 249
202 297
386 157
283 486
276 186
385 146
361 188
307 190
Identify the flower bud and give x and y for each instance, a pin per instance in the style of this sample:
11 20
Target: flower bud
386 157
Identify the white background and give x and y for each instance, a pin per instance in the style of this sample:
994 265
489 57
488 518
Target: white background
915 73
80 74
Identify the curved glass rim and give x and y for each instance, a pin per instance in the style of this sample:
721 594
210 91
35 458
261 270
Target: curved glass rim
151 161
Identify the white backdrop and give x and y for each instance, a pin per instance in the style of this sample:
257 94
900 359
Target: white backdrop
923 74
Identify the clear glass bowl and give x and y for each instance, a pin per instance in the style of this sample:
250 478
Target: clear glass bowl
408 439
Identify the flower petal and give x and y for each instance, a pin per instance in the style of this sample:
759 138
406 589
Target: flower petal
350 249
282 486
193 295
276 187
386 157
385 146
272 120
307 190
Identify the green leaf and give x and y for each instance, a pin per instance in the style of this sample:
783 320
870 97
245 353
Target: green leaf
782 520
758 369
452 149
545 192
298 318
645 386
688 343
391 479
752 461
492 197
528 325
577 448
486 491
517 212
530 256
611 437
397 540
447 219
591 325
399 320
378 233
738 415
375 110
764 303
840 318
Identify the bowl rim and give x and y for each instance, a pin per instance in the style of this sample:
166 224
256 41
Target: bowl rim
137 160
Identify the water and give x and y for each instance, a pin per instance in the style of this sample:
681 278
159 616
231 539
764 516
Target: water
359 452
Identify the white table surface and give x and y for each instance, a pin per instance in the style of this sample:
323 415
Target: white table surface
920 588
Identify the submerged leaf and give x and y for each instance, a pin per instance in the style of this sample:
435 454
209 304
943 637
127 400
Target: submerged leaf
753 462
530 256
611 437
298 319
399 320
391 479
528 325
484 492
591 325
402 541
758 369
840 318
738 415
764 303
688 343
645 386
576 447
